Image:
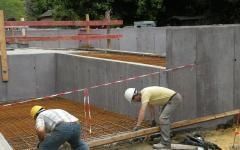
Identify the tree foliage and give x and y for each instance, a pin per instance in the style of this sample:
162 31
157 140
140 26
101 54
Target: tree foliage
215 11
128 10
12 8
34 8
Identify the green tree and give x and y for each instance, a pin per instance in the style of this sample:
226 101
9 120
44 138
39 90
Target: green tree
76 9
12 8
149 9
125 10
128 10
34 8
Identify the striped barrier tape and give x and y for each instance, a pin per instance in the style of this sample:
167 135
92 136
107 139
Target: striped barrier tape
101 85
87 110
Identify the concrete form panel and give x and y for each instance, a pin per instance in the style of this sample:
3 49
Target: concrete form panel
64 74
44 32
22 77
215 53
69 43
145 39
160 41
129 40
181 50
34 32
45 74
30 76
236 67
96 43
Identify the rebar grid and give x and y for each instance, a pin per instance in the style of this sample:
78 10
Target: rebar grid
18 127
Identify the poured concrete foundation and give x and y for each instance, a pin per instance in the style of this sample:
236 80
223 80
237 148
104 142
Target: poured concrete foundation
210 87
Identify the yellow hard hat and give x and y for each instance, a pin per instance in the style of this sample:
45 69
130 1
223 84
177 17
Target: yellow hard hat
35 109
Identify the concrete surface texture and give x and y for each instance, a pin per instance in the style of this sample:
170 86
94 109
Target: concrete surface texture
29 76
81 72
212 85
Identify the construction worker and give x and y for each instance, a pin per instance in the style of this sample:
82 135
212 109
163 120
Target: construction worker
156 95
54 127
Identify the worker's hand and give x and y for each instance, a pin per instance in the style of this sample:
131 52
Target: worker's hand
153 123
136 128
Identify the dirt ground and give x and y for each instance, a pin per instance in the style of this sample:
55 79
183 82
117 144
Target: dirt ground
145 59
224 138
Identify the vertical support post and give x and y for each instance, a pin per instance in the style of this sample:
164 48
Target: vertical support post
23 30
4 63
108 18
88 28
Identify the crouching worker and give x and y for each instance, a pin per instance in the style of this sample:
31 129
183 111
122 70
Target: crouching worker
155 95
54 127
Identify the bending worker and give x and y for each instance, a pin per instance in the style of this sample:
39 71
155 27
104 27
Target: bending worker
156 95
54 127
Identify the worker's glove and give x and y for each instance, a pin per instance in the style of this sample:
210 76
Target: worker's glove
136 128
153 123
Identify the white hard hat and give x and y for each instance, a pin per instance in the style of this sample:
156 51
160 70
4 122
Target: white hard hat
129 93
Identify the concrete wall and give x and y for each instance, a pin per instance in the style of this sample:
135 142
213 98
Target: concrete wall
31 75
236 64
148 40
82 72
212 86
181 45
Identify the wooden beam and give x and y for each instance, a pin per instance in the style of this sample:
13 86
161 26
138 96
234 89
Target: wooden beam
204 119
4 62
62 23
108 18
88 29
84 37
147 131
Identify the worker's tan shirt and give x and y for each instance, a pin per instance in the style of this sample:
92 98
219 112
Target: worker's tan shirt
156 95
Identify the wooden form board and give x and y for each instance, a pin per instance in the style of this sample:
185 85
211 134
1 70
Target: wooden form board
143 132
84 37
108 18
63 23
4 62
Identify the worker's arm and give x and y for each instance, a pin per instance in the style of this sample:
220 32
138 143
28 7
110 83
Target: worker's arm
41 134
40 129
141 113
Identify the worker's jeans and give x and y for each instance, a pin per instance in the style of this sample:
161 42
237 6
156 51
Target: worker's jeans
164 118
63 132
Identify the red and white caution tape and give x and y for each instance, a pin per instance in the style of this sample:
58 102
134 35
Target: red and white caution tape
104 84
87 110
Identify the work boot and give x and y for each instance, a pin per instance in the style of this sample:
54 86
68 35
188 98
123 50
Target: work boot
161 146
